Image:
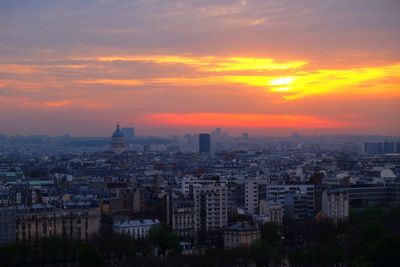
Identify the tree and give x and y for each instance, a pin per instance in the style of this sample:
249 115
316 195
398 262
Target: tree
270 232
264 252
87 254
164 238
114 244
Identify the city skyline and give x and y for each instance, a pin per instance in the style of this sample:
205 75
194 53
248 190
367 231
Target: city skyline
172 67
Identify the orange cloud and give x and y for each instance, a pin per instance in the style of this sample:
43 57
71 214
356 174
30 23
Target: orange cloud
92 104
289 78
80 103
33 85
190 81
255 64
66 103
245 120
29 69
119 82
213 64
57 104
18 68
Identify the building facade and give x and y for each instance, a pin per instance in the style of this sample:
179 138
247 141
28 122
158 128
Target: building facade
180 216
296 207
77 222
210 207
335 204
251 196
7 225
128 132
273 210
137 229
302 199
204 143
240 235
386 194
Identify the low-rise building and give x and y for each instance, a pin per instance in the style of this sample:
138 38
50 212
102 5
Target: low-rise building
241 234
72 220
138 229
273 210
7 225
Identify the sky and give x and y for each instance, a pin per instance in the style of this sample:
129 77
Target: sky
268 67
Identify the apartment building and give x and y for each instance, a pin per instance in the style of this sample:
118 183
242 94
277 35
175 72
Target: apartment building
335 204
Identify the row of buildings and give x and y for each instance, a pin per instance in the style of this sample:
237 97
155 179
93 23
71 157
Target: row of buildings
200 195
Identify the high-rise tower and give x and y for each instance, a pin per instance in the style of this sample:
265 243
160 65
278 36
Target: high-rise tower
204 143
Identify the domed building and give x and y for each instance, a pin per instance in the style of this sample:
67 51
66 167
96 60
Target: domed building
118 143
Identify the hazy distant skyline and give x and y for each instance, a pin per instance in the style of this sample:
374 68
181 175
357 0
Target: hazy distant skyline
164 67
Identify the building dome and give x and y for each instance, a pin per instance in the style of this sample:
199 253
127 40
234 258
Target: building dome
118 141
118 133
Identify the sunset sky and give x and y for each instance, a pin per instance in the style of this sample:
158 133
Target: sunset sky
166 67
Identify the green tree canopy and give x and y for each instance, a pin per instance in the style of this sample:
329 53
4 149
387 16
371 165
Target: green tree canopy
164 238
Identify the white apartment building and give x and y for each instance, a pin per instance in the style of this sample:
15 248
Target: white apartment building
190 181
335 204
251 200
210 207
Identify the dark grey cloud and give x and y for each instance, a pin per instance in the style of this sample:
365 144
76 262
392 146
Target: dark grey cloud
201 26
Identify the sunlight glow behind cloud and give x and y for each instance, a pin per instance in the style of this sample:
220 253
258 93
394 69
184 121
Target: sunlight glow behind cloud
99 62
296 81
212 63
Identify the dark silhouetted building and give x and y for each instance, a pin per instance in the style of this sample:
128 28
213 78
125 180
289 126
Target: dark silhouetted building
204 143
389 147
7 225
376 195
373 148
128 132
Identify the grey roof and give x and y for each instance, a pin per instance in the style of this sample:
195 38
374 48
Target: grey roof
136 223
242 226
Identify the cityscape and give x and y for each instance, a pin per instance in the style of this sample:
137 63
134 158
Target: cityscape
245 133
213 191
